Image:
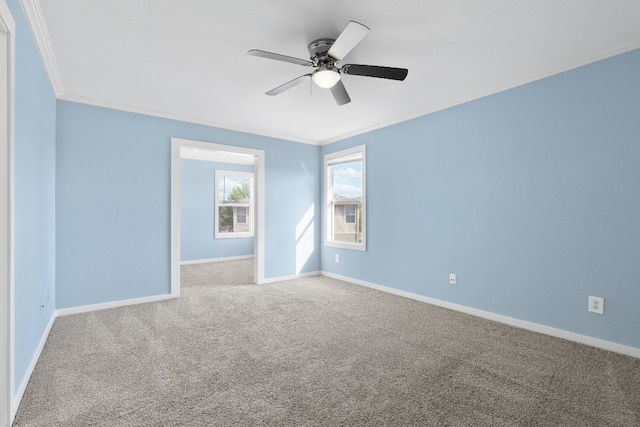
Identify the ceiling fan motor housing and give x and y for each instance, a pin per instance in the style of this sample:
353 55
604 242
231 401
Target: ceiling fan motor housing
326 75
318 51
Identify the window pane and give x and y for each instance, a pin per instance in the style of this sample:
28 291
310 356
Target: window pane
234 201
347 196
241 215
234 189
350 214
345 183
225 218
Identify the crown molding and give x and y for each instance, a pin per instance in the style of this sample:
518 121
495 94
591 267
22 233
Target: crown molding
33 14
178 117
491 91
40 33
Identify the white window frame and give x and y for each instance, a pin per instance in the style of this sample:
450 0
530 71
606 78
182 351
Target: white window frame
328 199
216 205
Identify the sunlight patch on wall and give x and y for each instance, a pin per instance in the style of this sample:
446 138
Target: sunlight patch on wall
305 240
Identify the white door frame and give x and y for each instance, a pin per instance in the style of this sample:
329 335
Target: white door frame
258 240
7 98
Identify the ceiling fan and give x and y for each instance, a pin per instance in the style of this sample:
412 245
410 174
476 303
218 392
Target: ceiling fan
325 54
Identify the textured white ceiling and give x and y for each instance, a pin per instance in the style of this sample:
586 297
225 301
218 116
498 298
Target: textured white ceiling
188 59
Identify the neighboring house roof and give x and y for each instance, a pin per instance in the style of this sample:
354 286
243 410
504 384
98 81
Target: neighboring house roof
339 200
241 202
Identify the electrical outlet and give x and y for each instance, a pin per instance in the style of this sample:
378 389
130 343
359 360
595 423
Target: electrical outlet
596 304
337 258
452 279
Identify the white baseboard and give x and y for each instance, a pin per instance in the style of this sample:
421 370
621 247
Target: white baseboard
291 277
228 258
547 330
17 398
113 304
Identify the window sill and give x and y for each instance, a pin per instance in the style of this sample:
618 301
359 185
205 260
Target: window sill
344 245
232 235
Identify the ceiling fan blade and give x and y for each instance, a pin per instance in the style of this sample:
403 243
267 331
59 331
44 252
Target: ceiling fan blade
289 85
375 71
352 34
279 57
340 93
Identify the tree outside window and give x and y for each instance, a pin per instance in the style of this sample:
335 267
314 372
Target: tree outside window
234 204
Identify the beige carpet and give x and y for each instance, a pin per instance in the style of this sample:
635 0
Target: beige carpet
315 352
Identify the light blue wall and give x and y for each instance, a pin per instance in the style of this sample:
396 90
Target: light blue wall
113 201
34 209
531 196
197 192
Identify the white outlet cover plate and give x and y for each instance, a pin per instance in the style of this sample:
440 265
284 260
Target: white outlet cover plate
452 279
596 304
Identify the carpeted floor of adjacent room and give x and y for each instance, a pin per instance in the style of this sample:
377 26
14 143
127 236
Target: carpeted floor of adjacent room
315 352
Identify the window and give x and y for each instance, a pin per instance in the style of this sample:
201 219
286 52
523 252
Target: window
345 194
350 214
233 204
241 217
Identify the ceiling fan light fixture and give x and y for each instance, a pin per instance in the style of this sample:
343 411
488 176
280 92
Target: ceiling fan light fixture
326 77
324 54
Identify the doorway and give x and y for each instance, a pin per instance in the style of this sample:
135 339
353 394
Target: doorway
232 154
7 28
